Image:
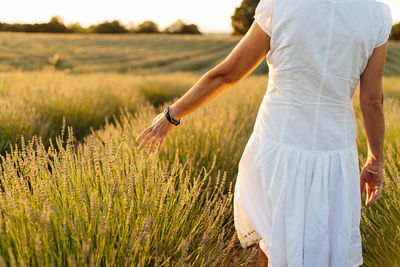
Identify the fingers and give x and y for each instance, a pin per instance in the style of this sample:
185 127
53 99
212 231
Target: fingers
374 193
145 141
160 144
153 142
159 129
369 195
142 134
372 183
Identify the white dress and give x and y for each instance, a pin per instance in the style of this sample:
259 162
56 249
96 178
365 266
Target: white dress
297 192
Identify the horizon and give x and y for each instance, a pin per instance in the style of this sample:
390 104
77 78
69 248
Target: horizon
131 13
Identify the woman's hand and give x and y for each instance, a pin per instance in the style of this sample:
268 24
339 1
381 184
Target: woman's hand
243 59
160 128
372 176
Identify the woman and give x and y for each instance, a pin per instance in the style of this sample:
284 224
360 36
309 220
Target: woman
298 192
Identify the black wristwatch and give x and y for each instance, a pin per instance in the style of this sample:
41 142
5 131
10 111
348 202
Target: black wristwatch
169 118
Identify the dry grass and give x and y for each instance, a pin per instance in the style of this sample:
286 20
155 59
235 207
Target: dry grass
89 197
34 103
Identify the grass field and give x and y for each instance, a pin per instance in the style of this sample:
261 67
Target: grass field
36 102
136 54
89 197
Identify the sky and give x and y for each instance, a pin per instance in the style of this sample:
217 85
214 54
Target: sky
210 15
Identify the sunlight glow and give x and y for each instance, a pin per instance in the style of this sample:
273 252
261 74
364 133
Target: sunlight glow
209 15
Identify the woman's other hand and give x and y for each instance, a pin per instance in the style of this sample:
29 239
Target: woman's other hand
371 104
371 177
160 129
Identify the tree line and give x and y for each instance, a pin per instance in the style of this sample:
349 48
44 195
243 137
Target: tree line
241 21
56 25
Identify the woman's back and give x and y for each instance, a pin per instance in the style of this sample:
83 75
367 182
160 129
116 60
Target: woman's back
318 50
298 190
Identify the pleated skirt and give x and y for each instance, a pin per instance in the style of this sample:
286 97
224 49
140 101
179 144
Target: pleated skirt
302 207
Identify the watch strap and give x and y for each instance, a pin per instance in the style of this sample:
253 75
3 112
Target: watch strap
169 118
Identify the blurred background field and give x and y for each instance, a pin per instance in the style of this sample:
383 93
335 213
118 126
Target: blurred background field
135 54
138 54
84 195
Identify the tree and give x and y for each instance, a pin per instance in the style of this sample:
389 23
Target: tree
108 27
76 28
56 24
174 27
395 32
56 20
180 27
147 27
243 17
190 29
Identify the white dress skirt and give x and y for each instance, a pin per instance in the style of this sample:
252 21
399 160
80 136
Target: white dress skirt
297 192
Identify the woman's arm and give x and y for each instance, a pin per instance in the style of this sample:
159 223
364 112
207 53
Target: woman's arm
243 59
371 103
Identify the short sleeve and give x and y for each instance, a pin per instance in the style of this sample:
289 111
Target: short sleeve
385 25
263 15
